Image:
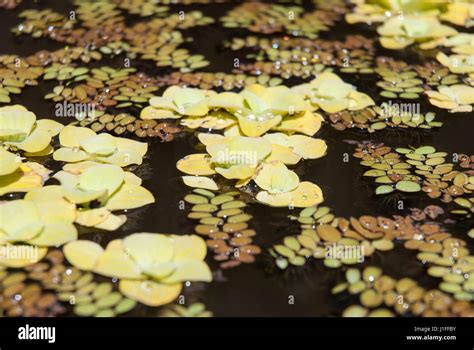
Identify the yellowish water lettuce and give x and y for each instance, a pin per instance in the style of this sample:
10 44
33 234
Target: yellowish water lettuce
254 111
332 94
306 194
237 157
19 130
176 102
16 176
259 109
81 144
215 120
20 255
263 160
111 187
46 221
372 11
151 267
401 31
456 98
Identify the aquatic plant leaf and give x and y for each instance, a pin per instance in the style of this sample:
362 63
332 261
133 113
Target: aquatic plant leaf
196 164
71 136
129 196
150 293
200 182
83 254
71 155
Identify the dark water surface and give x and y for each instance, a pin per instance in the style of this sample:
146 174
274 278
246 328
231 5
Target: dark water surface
260 289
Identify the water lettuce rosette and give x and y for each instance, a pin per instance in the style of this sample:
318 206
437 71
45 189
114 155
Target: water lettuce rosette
401 31
330 93
19 130
80 144
151 267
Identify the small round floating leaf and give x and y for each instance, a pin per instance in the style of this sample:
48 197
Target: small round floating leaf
408 186
384 189
83 254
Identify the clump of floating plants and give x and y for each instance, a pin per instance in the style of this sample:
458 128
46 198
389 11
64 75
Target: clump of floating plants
124 124
19 176
340 241
402 31
332 94
253 133
324 236
45 288
106 185
103 31
15 75
208 80
434 74
300 57
273 18
79 144
102 88
420 169
37 221
399 79
252 112
382 117
384 296
20 131
223 221
21 298
456 98
460 60
151 267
